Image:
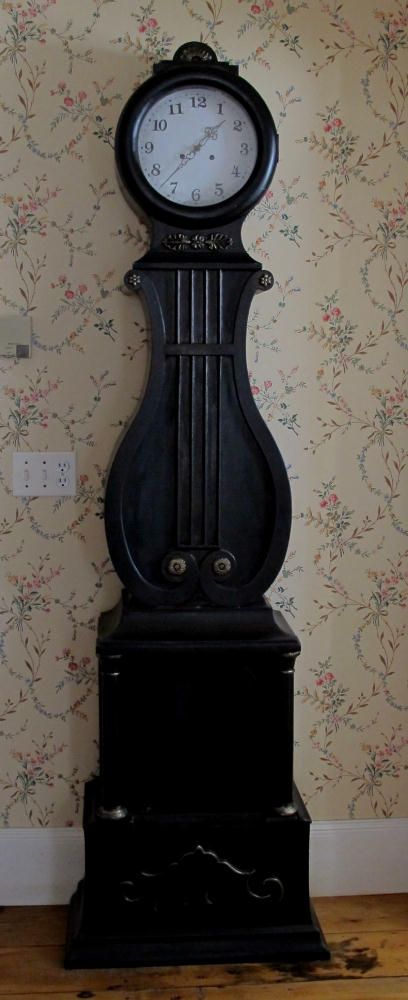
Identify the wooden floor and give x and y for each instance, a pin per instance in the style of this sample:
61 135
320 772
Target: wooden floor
367 935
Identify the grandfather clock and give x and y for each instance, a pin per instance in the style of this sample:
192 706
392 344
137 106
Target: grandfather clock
197 841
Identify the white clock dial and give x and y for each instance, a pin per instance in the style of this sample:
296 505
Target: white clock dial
196 146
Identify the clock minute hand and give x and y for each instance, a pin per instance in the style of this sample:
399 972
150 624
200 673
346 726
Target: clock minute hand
195 148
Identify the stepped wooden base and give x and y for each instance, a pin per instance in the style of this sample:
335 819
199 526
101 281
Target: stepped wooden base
87 949
193 889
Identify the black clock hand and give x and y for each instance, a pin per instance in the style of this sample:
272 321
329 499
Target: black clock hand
186 159
210 132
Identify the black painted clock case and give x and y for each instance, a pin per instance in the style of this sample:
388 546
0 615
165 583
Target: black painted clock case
196 838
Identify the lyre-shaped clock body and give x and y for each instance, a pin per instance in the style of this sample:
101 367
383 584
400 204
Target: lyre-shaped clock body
196 838
198 502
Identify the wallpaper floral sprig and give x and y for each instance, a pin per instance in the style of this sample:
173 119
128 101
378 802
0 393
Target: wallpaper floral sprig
327 357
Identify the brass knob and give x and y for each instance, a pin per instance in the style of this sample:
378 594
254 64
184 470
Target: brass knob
222 566
177 566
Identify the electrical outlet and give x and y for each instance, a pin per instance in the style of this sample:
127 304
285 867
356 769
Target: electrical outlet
44 473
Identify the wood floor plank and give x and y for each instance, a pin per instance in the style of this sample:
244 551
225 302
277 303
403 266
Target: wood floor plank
346 989
367 955
368 937
29 926
370 913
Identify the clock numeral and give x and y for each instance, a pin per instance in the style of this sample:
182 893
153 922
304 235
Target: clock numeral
148 147
219 190
196 194
198 102
235 172
244 148
173 185
176 109
159 125
237 125
156 169
220 111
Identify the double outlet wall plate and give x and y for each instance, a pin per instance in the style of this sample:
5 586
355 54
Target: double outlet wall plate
44 473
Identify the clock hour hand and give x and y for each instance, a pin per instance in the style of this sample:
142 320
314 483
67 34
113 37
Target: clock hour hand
210 132
186 159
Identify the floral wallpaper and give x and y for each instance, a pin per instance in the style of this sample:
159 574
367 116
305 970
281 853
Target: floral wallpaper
327 355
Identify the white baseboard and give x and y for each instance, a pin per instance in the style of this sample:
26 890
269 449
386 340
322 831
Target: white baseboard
354 857
42 867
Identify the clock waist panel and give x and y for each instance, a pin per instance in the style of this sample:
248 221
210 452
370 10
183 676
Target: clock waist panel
199 306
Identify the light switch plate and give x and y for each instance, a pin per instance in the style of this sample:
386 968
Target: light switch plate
44 473
15 336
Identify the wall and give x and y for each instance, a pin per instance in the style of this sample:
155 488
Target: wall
326 354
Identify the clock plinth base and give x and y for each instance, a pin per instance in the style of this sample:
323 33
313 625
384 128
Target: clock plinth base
196 840
230 888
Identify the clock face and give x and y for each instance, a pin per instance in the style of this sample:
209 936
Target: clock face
196 146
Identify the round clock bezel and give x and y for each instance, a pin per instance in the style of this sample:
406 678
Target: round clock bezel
134 181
